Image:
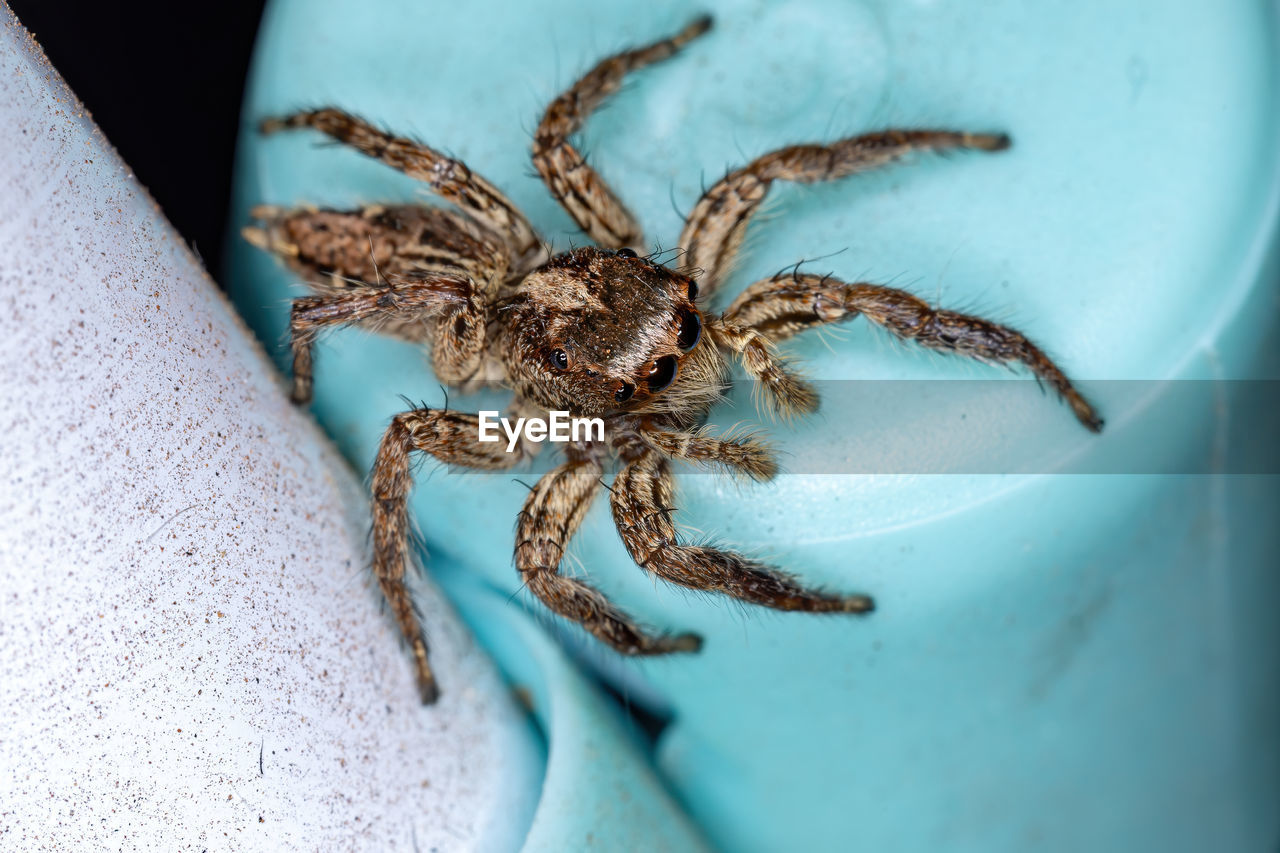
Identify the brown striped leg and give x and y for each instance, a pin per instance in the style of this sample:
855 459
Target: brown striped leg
449 178
743 454
337 250
789 304
578 188
434 307
453 438
641 500
786 393
714 231
552 513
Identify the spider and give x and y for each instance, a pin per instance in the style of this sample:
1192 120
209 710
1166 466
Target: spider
602 331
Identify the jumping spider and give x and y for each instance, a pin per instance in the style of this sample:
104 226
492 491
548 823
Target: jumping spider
598 332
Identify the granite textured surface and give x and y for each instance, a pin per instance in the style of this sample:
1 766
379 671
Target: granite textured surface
192 655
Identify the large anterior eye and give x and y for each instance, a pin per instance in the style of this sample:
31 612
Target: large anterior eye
560 359
690 331
662 373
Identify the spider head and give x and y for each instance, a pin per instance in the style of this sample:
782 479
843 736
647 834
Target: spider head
596 332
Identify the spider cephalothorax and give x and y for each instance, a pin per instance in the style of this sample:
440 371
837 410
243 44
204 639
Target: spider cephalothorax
597 332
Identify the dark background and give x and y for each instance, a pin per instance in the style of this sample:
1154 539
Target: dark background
164 82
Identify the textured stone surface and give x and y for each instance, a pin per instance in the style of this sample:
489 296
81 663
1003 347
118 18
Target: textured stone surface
192 654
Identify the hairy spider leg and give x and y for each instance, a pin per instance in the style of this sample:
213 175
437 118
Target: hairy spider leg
791 303
417 273
715 228
450 178
575 184
452 438
641 502
551 515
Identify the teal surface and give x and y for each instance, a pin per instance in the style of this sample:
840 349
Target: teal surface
1058 662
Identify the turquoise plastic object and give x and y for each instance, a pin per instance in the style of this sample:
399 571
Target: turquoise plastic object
1059 661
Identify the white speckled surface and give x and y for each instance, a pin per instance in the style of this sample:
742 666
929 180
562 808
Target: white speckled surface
192 655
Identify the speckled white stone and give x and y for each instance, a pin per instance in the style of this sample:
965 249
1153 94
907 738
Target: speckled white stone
192 654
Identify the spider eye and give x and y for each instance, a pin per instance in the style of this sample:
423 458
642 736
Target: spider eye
623 392
693 290
560 359
626 253
662 373
690 331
